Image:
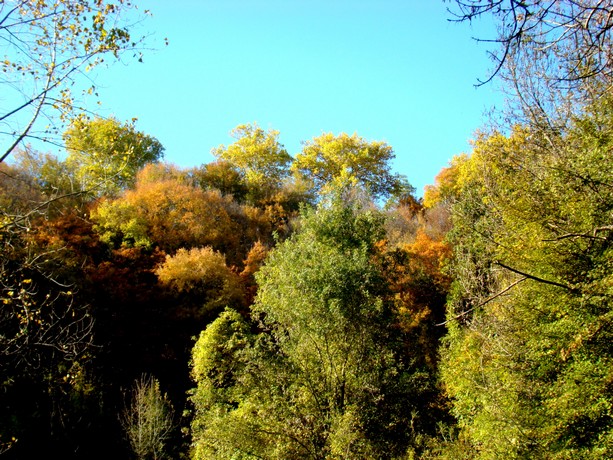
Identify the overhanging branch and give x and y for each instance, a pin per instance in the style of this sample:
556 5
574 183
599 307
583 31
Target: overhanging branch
535 278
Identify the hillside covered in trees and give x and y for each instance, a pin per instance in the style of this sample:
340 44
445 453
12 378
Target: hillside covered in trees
269 305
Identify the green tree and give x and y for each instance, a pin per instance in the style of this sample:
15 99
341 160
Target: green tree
106 154
148 419
219 358
528 361
327 377
330 161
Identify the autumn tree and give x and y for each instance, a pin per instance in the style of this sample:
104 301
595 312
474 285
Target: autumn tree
202 275
48 47
105 154
39 317
527 359
168 214
417 274
161 172
330 161
445 188
260 156
39 185
252 263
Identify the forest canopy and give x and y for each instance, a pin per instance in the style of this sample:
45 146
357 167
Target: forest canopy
309 305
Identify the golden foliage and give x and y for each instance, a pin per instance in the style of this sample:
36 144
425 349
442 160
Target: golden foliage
201 271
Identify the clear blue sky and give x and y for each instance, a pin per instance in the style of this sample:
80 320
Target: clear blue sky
396 71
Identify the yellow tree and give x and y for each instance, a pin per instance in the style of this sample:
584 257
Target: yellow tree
330 161
259 156
168 214
106 154
202 273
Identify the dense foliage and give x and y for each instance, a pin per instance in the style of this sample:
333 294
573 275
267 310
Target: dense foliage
528 357
319 369
277 306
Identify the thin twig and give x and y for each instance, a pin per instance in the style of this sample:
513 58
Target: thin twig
489 299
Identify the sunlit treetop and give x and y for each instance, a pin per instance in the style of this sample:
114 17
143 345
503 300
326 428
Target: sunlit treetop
330 161
258 154
106 154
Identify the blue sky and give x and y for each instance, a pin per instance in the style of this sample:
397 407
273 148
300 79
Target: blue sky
396 71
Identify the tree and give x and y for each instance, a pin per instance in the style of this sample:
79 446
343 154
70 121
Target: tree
444 190
160 172
219 358
148 419
48 47
201 274
40 319
18 191
45 340
252 263
555 27
330 161
416 274
259 156
224 176
38 185
49 50
326 377
554 56
105 154
169 214
527 360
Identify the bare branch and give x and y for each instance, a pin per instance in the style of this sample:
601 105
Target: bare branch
576 34
486 301
535 278
48 46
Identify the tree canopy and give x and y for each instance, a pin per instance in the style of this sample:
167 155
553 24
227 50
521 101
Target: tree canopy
330 161
259 155
105 154
327 376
